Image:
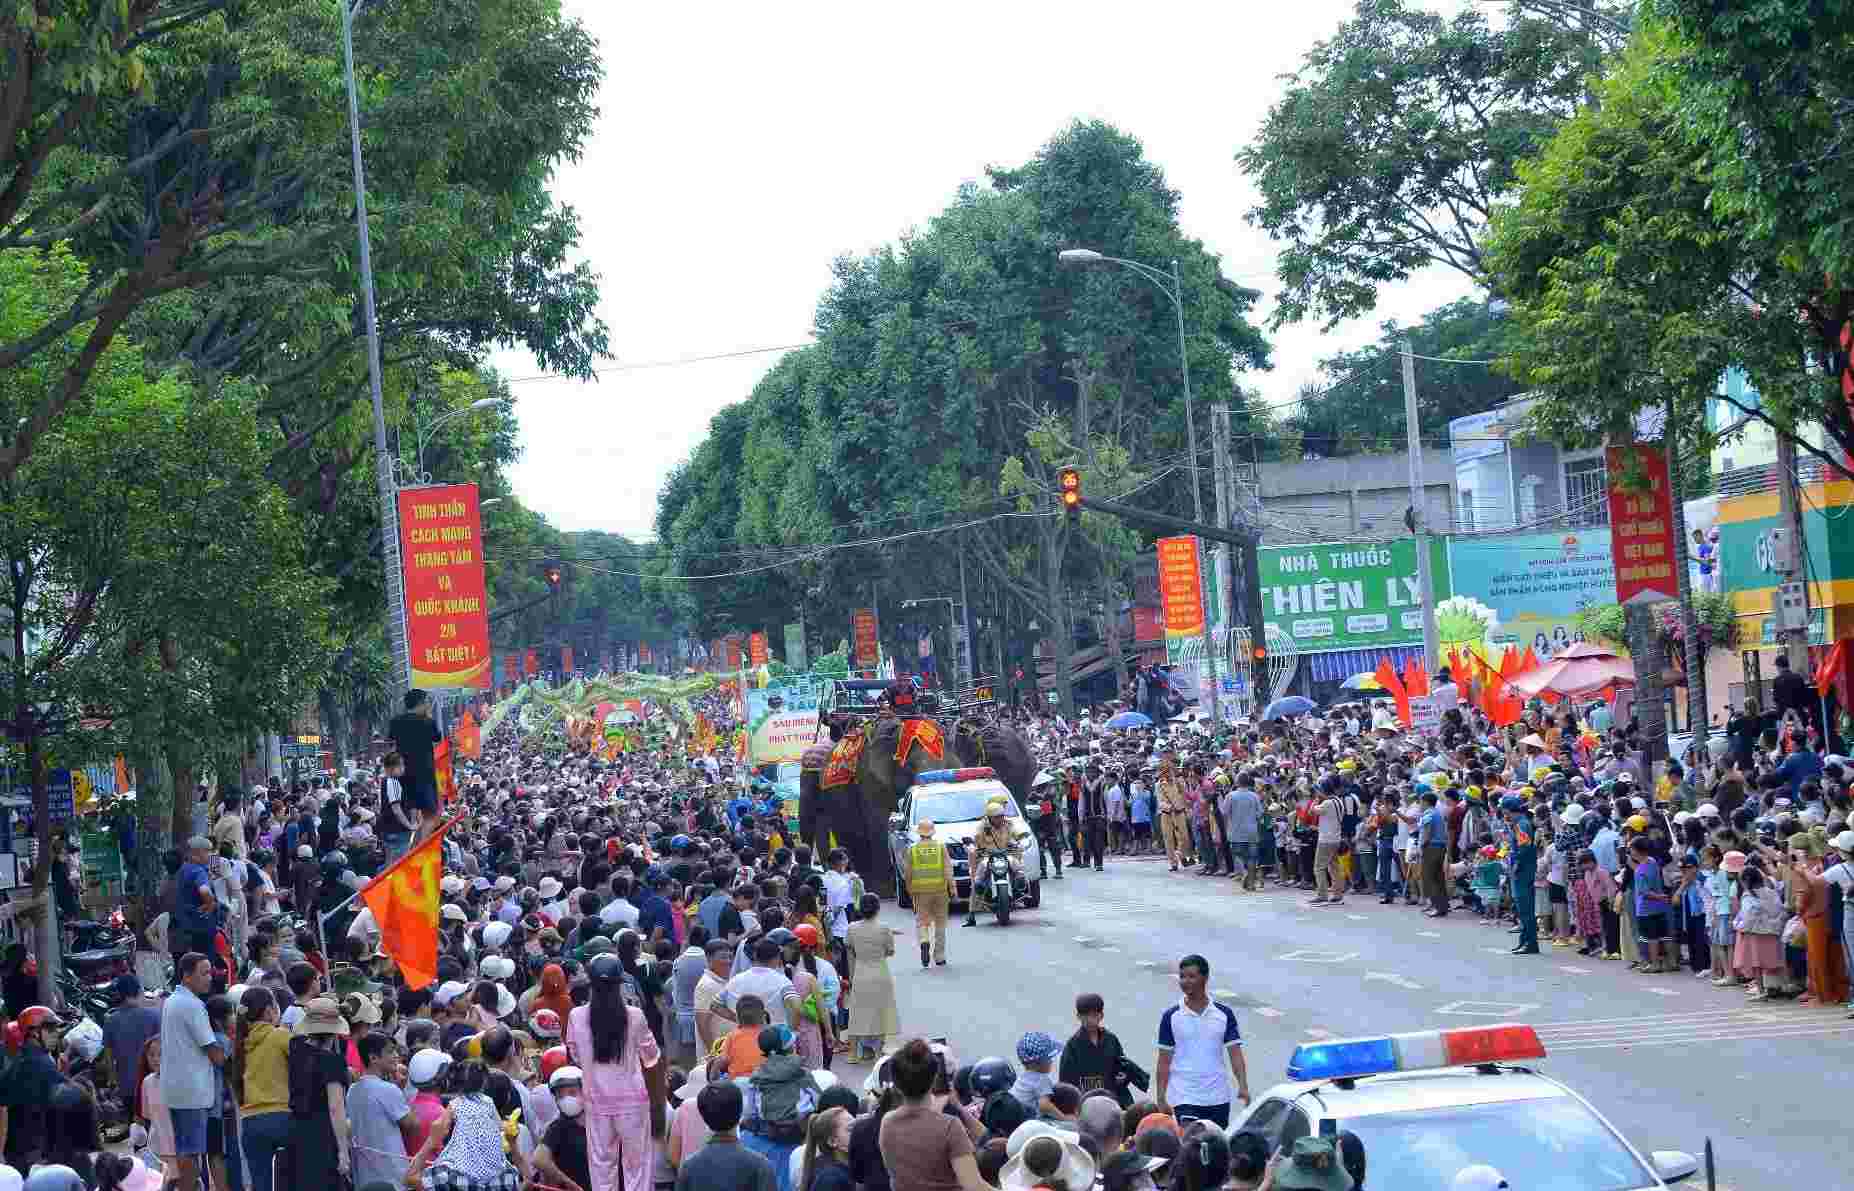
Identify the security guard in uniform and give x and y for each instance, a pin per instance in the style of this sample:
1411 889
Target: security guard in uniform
1525 872
994 835
929 877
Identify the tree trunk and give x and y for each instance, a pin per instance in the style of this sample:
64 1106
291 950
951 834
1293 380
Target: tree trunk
1110 606
183 767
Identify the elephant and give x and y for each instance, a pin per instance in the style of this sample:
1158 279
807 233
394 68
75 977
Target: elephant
857 812
1002 747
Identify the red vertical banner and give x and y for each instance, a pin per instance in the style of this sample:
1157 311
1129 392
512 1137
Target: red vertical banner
531 660
446 605
566 659
1181 592
756 648
643 653
864 632
731 644
1641 522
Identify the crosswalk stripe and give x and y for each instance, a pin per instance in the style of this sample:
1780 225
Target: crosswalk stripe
1689 1039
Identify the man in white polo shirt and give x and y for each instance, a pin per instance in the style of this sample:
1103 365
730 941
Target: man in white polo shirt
1194 1037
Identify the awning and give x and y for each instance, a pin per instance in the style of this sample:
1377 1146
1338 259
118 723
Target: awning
1343 663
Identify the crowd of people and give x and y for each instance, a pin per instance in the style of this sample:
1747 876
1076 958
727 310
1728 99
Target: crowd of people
643 981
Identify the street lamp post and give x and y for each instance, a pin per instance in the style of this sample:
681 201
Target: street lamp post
1172 286
383 462
424 436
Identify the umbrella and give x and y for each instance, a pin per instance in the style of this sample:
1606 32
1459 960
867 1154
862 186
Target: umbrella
1367 681
1288 705
1130 719
1583 669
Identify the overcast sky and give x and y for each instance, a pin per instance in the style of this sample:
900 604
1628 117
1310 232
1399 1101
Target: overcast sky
736 155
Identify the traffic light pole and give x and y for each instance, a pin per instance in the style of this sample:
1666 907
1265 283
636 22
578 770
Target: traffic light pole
1246 540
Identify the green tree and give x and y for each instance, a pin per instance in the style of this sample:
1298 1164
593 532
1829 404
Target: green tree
1358 406
201 171
1400 135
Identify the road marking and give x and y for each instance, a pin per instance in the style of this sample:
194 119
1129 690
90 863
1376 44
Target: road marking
1356 917
1392 978
1428 934
1574 971
1690 1039
1222 994
1313 956
1110 949
1498 950
1147 963
1319 1035
1662 992
1084 940
1265 1011
1486 1008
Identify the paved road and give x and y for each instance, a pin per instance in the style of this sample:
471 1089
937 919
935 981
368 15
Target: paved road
1670 1059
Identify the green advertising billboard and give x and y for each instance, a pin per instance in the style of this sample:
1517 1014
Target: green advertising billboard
1344 595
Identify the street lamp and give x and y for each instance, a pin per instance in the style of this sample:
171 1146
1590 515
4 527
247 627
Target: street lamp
383 462
422 476
1172 286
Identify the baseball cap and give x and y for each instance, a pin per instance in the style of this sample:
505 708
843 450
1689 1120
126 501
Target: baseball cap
426 1065
449 991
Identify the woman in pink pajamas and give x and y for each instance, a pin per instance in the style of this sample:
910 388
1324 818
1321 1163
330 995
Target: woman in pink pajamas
624 1088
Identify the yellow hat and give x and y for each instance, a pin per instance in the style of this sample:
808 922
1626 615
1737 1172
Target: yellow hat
1439 781
1347 765
995 807
1637 823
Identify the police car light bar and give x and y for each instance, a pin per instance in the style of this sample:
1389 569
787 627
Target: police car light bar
972 774
1426 1050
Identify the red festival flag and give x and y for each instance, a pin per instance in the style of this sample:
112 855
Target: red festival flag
441 765
404 901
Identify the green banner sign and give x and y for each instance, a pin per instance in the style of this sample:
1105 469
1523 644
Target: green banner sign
1340 595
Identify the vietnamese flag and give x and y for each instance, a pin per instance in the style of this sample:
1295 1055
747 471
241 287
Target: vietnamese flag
404 901
469 737
441 766
1830 666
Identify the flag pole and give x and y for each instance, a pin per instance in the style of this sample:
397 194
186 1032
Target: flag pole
322 919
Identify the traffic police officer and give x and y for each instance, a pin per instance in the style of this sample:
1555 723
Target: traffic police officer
1525 873
994 835
929 878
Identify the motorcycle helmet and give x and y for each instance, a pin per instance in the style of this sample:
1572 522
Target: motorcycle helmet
35 1017
544 1023
992 1074
333 864
807 935
552 1060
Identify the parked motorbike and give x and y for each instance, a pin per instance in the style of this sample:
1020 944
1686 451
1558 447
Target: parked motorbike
1004 884
86 935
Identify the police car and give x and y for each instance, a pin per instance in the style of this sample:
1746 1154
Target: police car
1429 1104
955 800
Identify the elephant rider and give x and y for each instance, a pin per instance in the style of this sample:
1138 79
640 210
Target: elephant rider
928 876
994 835
1046 800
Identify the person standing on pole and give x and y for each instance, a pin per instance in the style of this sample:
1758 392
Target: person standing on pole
414 735
928 878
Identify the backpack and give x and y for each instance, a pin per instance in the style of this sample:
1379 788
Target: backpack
787 1095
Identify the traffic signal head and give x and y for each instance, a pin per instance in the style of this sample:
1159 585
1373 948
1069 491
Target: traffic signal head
1068 486
1258 653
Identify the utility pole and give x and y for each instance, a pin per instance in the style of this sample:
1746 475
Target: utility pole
964 656
1692 657
1795 642
1224 565
1419 522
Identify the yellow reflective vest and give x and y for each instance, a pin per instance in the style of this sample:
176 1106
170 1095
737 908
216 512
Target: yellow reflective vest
927 868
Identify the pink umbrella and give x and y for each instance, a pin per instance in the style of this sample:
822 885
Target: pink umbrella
1583 669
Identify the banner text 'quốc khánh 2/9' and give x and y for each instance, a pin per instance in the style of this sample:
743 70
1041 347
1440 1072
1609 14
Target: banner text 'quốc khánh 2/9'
446 605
